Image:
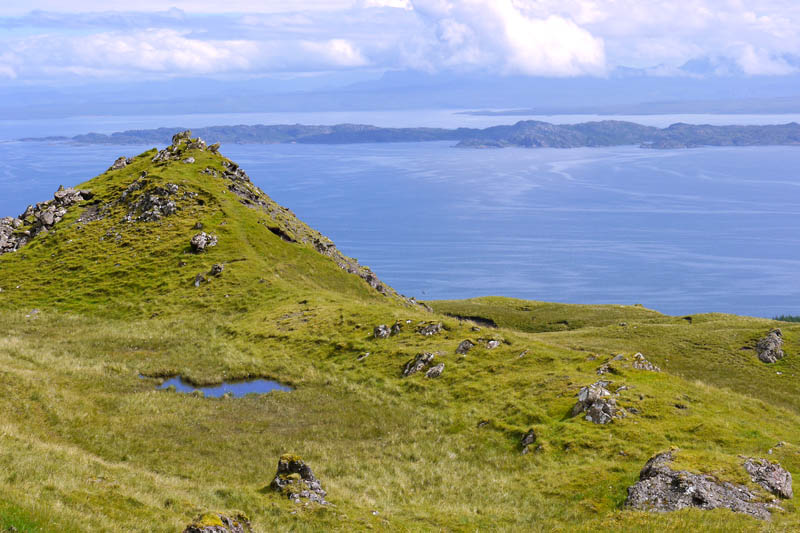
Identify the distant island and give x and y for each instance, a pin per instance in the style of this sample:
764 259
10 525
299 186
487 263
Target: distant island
527 134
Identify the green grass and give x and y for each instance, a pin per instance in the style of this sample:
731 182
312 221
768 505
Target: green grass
86 444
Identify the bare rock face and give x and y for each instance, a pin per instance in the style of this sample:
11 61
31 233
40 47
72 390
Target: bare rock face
641 363
295 479
435 371
596 401
219 523
464 347
662 489
381 332
202 241
770 348
771 476
419 363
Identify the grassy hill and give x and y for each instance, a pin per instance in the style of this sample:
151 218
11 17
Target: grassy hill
99 310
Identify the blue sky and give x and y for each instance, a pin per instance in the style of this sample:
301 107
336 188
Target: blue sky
53 40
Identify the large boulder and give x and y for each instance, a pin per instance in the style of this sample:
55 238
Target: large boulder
662 489
770 348
219 523
596 401
435 371
771 476
295 479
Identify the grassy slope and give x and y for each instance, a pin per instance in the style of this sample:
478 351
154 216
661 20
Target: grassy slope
88 445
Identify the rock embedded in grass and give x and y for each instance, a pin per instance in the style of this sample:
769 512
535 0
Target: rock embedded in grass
420 362
381 332
527 439
770 348
595 400
641 363
217 269
771 476
662 489
431 329
435 371
219 523
295 479
202 241
464 347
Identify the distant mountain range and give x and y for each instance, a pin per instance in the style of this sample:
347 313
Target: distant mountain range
529 134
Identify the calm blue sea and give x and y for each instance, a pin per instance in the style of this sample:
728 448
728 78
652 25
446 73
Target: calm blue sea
683 231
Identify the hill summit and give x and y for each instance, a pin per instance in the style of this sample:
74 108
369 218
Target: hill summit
133 230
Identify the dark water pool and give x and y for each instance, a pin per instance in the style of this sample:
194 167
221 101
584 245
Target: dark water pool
236 388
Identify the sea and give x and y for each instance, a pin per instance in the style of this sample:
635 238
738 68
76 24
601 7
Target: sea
680 231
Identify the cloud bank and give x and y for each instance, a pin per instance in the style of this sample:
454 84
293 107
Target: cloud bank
497 37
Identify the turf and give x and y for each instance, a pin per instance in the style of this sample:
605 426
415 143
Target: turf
88 444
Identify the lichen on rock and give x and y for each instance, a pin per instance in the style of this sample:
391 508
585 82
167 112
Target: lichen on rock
295 479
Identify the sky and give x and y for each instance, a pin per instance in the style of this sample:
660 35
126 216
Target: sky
47 41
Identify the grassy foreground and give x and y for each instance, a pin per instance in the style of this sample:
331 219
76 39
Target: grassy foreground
88 444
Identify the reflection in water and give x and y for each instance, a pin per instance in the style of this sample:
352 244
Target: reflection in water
235 388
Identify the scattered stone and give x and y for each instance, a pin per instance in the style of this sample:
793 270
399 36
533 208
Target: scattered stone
363 356
492 344
595 400
623 324
618 357
770 347
419 363
464 347
435 371
202 241
189 160
523 354
606 369
295 479
641 363
483 423
662 489
430 329
397 327
32 314
198 279
381 332
217 269
219 523
771 476
198 225
680 406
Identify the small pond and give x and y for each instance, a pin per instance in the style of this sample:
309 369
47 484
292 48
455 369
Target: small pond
235 388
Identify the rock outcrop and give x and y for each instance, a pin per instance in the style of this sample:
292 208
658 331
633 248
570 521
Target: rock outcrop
770 348
527 439
662 489
295 479
39 219
771 476
219 523
420 362
596 401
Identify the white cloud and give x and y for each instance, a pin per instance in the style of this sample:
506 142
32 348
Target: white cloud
336 52
501 35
